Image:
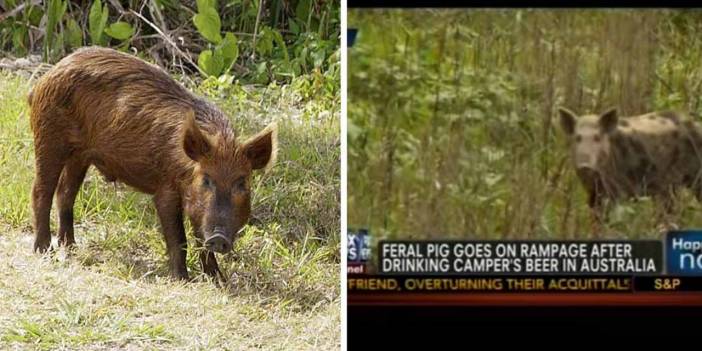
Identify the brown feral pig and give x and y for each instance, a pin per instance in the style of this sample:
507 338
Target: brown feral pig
137 125
653 154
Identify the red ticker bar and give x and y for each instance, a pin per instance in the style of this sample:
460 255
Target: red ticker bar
360 284
537 299
524 291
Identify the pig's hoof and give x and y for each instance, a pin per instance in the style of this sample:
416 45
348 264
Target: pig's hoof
212 271
41 245
66 241
180 274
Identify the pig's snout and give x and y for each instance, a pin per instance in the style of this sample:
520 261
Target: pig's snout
584 160
218 242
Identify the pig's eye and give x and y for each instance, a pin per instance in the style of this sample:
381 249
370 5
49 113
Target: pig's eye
240 186
578 138
206 182
597 138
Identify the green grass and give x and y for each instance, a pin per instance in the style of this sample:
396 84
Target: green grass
113 290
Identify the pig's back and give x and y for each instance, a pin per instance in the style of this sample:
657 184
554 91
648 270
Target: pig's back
118 112
662 148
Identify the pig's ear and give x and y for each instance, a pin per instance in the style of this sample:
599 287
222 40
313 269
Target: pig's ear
195 144
262 148
608 120
568 120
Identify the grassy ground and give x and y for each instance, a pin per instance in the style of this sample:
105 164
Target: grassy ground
113 290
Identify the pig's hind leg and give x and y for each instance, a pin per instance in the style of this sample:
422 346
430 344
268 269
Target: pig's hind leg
50 153
68 187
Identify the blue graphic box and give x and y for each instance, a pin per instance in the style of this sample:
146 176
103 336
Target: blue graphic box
359 246
683 250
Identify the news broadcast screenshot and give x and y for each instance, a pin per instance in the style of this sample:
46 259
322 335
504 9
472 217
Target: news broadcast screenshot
540 158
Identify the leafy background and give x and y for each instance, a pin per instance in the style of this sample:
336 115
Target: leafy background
257 40
452 116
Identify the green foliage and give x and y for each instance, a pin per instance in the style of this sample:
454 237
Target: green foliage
74 35
206 4
120 30
221 60
208 24
19 36
229 50
311 39
279 42
54 13
97 20
211 63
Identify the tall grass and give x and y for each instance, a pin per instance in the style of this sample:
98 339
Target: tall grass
452 116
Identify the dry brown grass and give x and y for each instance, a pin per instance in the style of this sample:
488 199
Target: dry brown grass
57 303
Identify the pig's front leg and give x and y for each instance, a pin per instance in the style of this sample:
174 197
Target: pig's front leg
665 215
597 210
170 214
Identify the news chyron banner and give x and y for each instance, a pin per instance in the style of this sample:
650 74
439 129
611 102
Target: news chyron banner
671 264
521 257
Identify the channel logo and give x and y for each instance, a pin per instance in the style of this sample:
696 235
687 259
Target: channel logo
684 252
358 251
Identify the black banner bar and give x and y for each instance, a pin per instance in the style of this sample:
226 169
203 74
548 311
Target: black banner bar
520 257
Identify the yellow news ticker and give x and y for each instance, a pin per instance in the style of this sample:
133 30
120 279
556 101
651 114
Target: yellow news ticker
490 284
